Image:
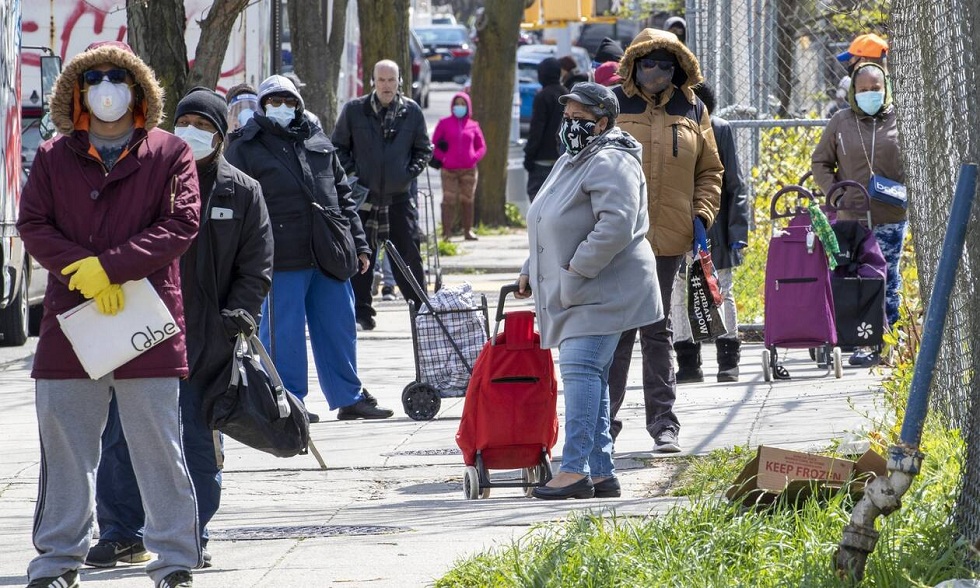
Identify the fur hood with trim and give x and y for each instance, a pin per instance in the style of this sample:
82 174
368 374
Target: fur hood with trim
686 76
67 110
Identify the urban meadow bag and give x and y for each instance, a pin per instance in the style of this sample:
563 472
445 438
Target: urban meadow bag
703 293
255 408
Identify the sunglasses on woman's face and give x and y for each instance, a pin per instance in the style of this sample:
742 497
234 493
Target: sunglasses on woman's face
647 63
279 101
115 76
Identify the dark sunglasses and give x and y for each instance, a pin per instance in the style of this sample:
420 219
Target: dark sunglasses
280 100
115 76
647 63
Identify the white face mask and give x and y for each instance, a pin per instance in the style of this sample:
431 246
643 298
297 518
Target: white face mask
245 116
108 101
199 140
282 115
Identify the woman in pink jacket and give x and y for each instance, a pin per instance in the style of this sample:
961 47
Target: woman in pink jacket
459 147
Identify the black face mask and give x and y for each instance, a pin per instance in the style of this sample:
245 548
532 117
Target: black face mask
575 135
654 80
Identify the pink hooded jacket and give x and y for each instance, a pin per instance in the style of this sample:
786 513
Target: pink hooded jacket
461 137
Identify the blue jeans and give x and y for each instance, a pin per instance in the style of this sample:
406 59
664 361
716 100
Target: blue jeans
584 364
891 238
306 298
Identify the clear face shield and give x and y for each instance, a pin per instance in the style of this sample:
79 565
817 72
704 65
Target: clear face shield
241 109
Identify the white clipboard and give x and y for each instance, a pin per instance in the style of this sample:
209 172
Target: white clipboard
104 342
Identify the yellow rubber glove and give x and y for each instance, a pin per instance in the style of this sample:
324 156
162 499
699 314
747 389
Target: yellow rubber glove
110 300
87 276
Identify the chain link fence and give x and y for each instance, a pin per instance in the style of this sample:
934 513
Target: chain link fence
935 60
773 63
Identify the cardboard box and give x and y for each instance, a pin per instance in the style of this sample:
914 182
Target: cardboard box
775 472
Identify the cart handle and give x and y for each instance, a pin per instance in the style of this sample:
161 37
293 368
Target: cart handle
774 214
840 187
504 291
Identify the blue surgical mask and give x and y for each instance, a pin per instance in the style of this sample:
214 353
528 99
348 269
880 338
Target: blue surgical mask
199 140
282 115
459 111
245 116
870 102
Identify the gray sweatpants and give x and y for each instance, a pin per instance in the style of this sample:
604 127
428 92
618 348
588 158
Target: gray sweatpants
71 415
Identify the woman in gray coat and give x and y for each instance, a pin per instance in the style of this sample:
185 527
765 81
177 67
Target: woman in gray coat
593 276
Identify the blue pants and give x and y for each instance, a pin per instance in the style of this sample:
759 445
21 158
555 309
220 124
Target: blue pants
119 506
306 298
891 239
584 364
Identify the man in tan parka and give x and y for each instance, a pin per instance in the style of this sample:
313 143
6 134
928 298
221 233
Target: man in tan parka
683 174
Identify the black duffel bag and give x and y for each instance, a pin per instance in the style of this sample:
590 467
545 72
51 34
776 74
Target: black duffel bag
256 409
333 243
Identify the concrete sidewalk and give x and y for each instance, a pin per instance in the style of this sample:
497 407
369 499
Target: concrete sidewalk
389 511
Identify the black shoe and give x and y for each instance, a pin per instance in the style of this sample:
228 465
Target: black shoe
105 554
205 558
689 376
366 323
314 417
368 398
666 441
362 409
608 488
688 362
67 580
729 354
178 579
581 489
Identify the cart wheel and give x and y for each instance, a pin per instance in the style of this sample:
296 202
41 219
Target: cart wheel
421 401
766 365
529 476
838 363
471 483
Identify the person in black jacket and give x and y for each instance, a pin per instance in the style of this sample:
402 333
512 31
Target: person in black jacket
541 149
727 237
382 139
294 161
228 266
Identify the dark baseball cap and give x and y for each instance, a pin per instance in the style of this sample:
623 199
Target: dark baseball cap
593 94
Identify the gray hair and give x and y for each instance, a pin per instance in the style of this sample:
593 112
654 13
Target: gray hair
599 112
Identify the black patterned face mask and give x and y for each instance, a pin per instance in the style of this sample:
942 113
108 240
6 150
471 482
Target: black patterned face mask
575 135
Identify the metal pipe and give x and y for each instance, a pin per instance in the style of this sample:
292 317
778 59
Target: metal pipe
883 495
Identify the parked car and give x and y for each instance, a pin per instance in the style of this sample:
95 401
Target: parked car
449 51
622 30
421 71
528 58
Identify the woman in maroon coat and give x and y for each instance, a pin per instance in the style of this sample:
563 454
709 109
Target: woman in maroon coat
111 200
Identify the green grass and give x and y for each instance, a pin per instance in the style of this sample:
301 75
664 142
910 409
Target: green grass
712 543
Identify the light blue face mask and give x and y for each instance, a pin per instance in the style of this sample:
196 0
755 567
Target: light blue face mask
871 101
200 140
282 115
245 116
459 111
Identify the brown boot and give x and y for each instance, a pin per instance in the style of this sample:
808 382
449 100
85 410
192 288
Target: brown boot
467 214
448 220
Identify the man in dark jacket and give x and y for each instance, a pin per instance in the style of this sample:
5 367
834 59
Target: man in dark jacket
111 200
727 236
228 267
541 149
295 163
382 139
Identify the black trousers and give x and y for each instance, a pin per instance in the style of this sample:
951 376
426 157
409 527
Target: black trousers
403 231
536 178
656 344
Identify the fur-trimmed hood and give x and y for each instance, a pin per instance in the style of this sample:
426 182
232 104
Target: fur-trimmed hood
67 107
686 76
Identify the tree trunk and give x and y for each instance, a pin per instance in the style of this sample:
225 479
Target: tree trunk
211 48
384 35
494 67
156 34
316 54
787 24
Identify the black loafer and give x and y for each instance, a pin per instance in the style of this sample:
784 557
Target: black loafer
581 489
314 417
362 409
608 488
